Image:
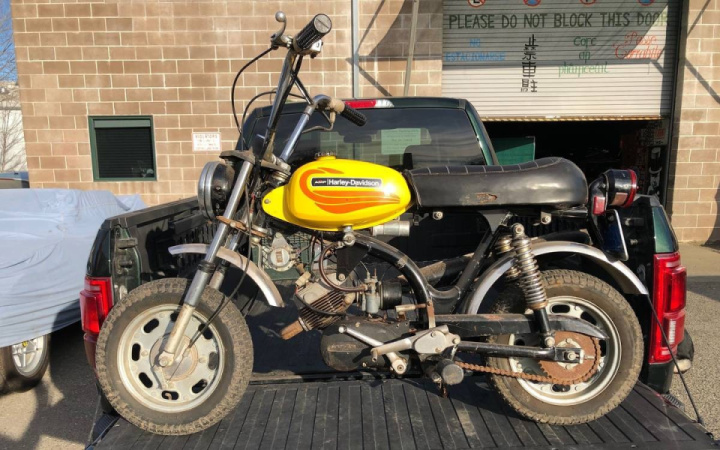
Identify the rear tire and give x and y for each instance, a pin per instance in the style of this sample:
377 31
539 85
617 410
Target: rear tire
200 390
23 365
589 298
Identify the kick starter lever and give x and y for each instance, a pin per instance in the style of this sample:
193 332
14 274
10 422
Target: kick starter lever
397 362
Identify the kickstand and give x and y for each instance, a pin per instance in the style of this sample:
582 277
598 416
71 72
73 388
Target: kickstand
440 385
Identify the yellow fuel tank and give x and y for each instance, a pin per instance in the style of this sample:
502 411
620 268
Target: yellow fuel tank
330 194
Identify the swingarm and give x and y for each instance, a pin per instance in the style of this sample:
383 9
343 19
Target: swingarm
445 339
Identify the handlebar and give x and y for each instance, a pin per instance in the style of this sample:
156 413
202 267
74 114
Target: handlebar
318 27
354 116
340 107
304 43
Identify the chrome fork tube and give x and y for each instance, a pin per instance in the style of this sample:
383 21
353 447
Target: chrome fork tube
297 132
283 88
219 275
206 268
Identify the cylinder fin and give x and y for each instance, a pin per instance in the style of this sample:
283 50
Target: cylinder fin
333 302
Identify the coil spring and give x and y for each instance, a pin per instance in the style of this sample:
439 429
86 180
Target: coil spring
529 281
502 246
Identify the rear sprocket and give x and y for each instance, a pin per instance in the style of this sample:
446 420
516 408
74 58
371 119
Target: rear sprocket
564 373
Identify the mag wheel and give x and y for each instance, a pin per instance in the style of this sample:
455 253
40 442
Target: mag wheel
23 365
198 389
607 382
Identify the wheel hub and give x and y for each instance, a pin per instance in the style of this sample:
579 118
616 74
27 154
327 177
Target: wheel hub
571 371
183 366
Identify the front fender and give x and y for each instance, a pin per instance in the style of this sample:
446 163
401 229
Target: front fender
263 281
625 277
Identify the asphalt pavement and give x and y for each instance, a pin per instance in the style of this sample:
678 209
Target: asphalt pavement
58 414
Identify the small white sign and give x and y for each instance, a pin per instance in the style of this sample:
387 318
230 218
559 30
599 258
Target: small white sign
206 142
395 141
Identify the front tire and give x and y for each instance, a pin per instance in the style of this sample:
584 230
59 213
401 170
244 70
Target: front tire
582 296
191 395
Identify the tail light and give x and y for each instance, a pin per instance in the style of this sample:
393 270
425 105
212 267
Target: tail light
365 104
96 300
669 301
614 188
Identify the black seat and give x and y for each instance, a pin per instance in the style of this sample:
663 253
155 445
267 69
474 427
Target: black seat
550 182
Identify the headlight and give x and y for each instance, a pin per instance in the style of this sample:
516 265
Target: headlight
214 187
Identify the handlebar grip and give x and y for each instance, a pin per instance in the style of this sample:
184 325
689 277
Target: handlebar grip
354 116
318 27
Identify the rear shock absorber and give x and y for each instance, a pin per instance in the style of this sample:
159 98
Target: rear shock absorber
530 282
502 246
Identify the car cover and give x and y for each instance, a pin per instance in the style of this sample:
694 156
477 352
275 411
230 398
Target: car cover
45 240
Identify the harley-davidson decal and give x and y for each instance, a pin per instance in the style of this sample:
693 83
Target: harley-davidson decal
341 201
347 182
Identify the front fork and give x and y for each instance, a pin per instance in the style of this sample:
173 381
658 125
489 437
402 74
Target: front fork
206 269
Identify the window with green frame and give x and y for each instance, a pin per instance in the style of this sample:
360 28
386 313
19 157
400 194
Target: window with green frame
123 148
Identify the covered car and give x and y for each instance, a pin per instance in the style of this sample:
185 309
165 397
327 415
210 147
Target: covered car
45 238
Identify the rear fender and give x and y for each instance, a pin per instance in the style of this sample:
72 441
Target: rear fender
261 279
628 282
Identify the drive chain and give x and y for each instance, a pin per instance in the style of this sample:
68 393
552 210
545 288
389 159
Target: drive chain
537 378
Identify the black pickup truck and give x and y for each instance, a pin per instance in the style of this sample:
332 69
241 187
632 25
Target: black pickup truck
295 401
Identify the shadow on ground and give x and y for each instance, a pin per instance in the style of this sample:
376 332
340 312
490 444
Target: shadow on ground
58 413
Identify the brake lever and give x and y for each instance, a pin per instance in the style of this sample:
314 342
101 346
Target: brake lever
278 39
330 119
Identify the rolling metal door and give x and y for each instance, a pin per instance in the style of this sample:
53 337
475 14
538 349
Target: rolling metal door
561 59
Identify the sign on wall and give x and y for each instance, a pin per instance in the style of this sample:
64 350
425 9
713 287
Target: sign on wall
561 58
206 142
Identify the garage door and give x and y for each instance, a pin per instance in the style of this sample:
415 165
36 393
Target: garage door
561 59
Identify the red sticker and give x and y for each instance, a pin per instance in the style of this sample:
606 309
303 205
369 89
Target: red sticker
476 3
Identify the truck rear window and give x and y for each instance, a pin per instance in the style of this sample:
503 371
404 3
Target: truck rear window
399 138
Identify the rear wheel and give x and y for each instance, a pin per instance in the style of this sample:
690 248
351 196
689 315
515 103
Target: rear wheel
584 297
193 393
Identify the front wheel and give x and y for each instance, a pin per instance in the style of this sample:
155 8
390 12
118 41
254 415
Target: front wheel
585 297
193 393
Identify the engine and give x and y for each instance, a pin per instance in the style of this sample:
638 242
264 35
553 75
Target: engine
333 295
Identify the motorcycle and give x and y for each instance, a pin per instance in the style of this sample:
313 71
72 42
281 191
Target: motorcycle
561 346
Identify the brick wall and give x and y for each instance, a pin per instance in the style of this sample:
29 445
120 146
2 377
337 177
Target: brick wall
695 168
384 46
176 61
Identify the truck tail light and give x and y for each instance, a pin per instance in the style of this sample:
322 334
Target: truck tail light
669 300
365 104
96 300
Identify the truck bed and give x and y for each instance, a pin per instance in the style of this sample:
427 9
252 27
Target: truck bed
296 402
410 414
